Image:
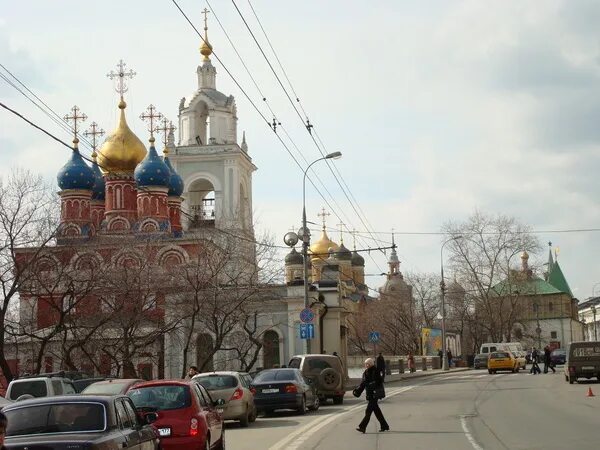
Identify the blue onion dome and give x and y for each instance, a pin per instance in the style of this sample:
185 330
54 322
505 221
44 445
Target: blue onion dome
357 260
75 174
343 254
98 192
152 171
293 258
175 181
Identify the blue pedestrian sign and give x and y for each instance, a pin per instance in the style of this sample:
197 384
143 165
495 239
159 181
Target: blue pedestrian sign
306 315
307 331
374 336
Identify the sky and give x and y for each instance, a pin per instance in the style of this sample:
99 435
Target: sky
439 108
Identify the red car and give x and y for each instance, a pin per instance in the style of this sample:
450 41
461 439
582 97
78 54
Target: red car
187 416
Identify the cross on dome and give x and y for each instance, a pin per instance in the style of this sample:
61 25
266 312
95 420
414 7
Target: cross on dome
323 214
151 116
206 48
121 76
341 225
164 127
94 131
76 117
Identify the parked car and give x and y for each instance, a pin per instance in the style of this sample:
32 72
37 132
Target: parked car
558 356
187 415
583 361
284 389
481 361
234 389
43 385
326 374
112 386
77 422
502 361
82 383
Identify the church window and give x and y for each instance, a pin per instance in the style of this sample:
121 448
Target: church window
553 334
550 307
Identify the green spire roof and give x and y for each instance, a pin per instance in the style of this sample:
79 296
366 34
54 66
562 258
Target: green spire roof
531 286
557 279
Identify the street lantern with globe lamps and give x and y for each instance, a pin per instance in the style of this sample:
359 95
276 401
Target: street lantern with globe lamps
443 290
304 232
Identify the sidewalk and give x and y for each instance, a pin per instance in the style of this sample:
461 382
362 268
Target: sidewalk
355 381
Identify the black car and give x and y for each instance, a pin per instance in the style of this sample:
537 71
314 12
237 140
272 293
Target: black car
78 422
558 356
283 389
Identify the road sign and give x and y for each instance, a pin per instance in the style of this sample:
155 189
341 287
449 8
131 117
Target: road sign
306 315
374 336
307 331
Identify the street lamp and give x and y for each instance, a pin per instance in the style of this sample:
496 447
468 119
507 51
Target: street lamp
304 232
594 313
443 289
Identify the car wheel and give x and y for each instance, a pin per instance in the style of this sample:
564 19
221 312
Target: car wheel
302 408
245 420
316 404
338 400
490 371
253 416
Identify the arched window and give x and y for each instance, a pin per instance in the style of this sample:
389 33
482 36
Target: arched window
271 349
202 204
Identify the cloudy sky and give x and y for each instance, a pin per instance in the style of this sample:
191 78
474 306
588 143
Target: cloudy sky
439 107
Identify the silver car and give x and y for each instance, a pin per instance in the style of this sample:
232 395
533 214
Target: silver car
234 389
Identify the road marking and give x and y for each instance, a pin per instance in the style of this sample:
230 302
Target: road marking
469 436
301 435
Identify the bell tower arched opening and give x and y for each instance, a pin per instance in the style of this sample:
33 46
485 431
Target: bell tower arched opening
202 204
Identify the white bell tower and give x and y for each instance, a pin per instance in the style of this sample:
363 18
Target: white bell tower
216 170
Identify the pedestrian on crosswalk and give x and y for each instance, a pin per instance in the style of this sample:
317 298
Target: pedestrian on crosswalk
548 360
535 369
372 383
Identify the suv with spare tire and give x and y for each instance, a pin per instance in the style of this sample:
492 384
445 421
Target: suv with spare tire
325 372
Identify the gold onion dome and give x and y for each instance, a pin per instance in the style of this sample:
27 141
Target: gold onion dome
122 150
206 49
320 249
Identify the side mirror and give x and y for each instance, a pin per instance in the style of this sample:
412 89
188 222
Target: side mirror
151 418
219 402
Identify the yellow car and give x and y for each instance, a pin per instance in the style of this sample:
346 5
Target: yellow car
502 360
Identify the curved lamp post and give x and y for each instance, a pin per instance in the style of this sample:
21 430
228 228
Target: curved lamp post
304 233
443 290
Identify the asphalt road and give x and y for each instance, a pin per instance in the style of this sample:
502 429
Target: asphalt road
465 410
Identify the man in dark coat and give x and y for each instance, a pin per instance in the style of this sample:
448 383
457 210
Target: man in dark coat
535 369
372 383
548 360
381 366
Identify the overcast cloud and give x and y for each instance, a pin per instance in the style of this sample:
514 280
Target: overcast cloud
439 107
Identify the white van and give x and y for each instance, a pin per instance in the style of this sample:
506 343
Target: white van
514 347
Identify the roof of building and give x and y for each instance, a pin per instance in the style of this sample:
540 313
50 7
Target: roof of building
357 259
530 286
152 171
557 279
75 174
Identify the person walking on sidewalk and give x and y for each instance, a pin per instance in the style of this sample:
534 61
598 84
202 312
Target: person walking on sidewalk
548 360
381 366
411 363
535 369
372 383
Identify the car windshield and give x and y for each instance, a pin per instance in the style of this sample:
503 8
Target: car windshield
275 375
105 388
55 418
216 382
36 388
294 363
500 355
162 397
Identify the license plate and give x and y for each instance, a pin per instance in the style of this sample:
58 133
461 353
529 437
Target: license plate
164 432
588 368
270 391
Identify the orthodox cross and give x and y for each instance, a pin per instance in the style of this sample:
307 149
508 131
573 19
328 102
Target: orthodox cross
76 117
205 12
94 132
164 127
121 75
323 214
393 240
151 116
353 233
341 225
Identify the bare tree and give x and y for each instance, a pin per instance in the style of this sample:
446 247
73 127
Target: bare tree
426 293
27 219
481 255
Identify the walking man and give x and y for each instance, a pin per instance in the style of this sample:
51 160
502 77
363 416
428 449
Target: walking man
535 369
381 366
548 360
372 383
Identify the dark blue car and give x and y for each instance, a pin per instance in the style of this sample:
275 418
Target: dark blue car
558 356
283 389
